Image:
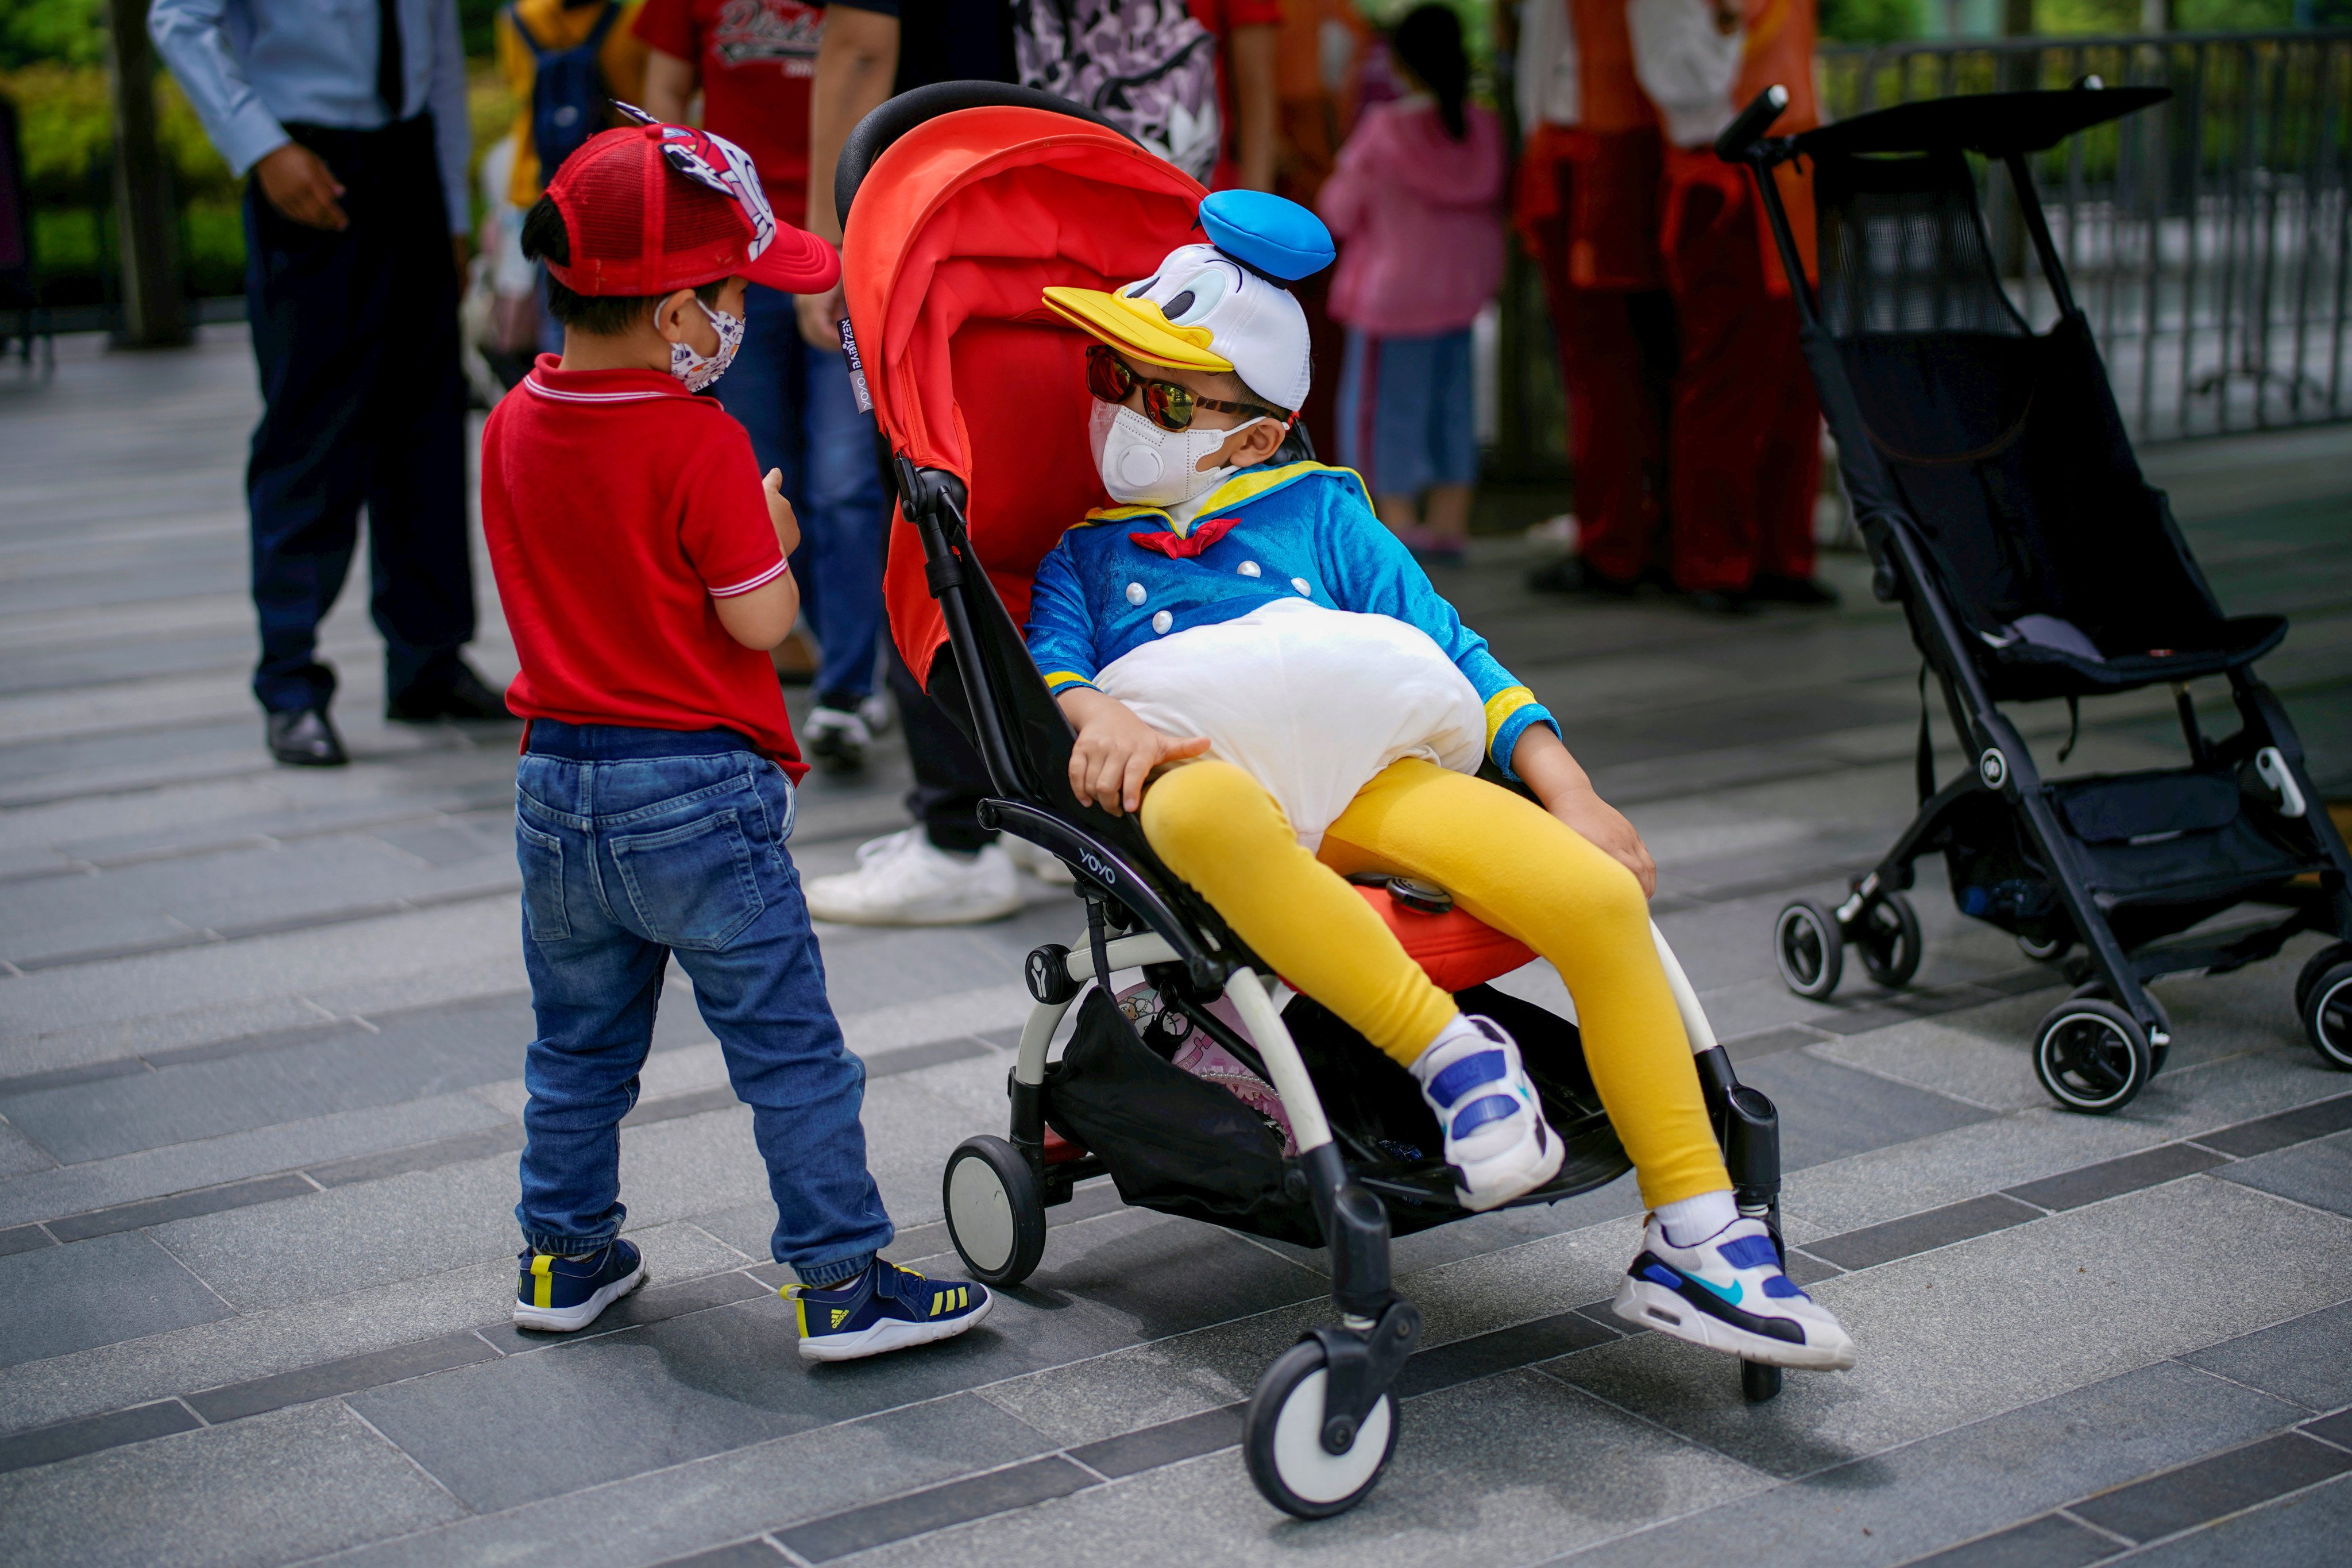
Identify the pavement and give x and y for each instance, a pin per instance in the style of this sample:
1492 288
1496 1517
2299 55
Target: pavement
261 1033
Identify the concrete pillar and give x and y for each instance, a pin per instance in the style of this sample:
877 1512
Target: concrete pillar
153 313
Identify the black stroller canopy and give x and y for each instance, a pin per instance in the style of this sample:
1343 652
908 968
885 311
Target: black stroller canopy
1992 123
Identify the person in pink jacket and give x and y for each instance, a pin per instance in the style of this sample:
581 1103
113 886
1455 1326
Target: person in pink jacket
1416 204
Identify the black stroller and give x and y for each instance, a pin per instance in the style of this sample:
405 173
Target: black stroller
962 202
1993 482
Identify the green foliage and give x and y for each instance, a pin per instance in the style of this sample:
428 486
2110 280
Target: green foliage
69 134
1871 21
69 31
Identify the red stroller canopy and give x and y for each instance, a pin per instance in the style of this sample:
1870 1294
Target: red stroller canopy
956 230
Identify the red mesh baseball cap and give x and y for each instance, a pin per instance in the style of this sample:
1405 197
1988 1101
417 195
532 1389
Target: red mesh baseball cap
652 208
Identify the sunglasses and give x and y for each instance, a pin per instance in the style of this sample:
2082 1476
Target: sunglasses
1169 406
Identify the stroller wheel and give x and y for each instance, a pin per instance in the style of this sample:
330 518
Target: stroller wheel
1807 945
2091 1056
1758 1381
2096 991
2319 963
1282 1440
2327 1015
2045 951
1888 934
996 1216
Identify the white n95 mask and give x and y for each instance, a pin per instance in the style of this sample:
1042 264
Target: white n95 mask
700 370
1144 465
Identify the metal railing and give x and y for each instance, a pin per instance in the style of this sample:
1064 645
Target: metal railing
2209 239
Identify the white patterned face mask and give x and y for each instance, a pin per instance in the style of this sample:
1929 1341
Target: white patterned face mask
1143 465
700 370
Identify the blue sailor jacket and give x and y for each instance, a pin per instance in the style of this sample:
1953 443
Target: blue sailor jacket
1298 530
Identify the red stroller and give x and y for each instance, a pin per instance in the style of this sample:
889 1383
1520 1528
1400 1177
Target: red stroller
962 202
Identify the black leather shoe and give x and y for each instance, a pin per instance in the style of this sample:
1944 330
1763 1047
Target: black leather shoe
462 696
1571 575
1793 590
304 739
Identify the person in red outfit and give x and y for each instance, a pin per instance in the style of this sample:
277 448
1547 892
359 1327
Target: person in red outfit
1744 452
1588 210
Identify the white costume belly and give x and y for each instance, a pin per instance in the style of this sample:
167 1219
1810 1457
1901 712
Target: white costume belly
1311 702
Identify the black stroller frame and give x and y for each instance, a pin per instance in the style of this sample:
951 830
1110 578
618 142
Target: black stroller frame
2123 863
1321 1423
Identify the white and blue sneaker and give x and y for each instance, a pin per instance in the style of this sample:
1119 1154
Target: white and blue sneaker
1496 1136
1727 1292
886 1307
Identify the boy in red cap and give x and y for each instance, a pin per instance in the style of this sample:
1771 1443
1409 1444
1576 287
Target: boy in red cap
643 575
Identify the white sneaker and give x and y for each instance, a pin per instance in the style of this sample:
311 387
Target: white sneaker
1496 1136
904 880
1727 1292
836 739
1041 864
877 714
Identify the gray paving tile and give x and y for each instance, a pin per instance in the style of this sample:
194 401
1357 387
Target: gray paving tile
2336 1428
2090 1183
2050 1542
2248 1139
1879 1244
115 1429
757 1552
24 1239
180 1205
281 1488
505 1139
1169 1443
54 1297
1940 1333
1965 1482
2318 1173
238 1400
718 1500
2197 1494
879 1524
2308 1529
1828 1112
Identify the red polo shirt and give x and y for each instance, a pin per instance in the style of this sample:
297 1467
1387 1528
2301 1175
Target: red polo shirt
617 509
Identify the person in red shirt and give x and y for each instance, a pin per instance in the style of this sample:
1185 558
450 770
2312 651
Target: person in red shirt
643 573
754 62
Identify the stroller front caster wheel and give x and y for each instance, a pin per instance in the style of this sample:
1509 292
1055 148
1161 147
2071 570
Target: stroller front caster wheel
2327 1015
2046 949
2319 963
1810 952
996 1213
1282 1440
2091 1057
1888 935
1758 1381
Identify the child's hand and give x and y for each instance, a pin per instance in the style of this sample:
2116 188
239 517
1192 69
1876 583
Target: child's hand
1116 752
779 512
1609 832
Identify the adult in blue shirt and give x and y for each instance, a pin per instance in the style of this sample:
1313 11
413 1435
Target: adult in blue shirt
352 120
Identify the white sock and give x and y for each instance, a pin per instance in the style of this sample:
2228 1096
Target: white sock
1460 1028
1689 1221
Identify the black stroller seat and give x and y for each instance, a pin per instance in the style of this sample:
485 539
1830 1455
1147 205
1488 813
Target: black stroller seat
1997 490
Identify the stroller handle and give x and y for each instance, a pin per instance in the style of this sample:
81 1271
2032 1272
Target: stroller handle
872 136
1749 129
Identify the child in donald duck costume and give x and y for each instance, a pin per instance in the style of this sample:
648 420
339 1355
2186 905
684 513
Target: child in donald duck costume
1258 669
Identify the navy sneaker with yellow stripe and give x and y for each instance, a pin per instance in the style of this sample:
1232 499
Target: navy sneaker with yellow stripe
885 1308
557 1295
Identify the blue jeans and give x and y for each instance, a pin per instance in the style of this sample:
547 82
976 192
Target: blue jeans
635 845
1407 416
796 403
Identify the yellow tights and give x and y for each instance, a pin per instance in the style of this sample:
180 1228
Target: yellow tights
1506 861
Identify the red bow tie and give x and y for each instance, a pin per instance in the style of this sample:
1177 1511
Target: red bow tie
1203 535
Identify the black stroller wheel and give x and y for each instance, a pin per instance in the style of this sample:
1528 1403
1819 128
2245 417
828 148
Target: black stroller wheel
995 1213
2091 1057
1888 935
2327 1015
1282 1441
2096 991
1758 1381
1808 948
2317 965
2046 949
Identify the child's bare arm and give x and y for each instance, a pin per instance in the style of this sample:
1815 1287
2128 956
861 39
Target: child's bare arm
1562 785
1116 751
765 616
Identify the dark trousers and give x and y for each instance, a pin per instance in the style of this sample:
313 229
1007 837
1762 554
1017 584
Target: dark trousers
356 333
949 777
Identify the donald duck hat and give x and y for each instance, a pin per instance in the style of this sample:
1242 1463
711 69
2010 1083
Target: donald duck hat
1221 306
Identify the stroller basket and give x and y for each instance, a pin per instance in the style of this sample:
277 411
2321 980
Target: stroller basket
2003 508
